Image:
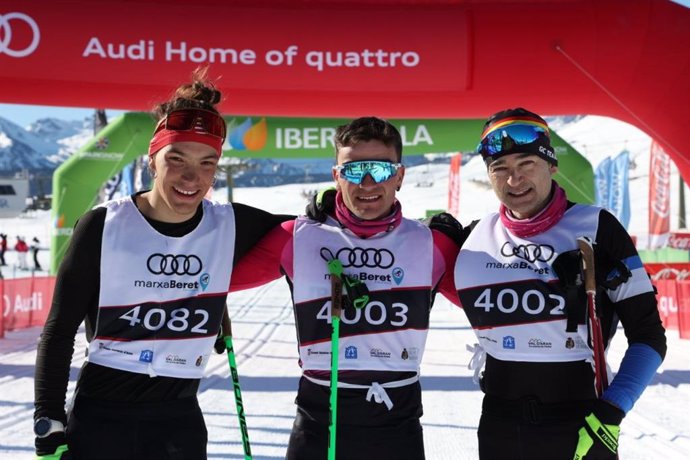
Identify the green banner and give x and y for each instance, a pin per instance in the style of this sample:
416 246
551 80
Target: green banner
275 137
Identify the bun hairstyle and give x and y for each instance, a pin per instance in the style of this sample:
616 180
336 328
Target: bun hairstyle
201 93
190 115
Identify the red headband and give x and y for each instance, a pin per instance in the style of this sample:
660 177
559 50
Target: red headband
166 137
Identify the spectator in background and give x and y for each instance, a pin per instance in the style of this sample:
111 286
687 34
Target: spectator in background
35 246
22 249
3 248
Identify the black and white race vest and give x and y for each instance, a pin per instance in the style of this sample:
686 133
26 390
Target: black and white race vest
161 298
511 295
389 333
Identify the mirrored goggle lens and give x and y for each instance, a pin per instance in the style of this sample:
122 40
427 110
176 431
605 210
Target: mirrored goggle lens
194 119
356 171
507 137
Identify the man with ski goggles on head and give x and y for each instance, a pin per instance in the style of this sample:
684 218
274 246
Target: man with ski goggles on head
390 267
520 280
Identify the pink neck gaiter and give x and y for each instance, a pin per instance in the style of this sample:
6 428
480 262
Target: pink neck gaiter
366 228
547 218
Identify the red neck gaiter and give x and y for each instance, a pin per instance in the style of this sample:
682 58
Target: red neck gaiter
366 228
547 218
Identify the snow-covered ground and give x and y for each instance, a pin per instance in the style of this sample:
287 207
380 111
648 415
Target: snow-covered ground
264 329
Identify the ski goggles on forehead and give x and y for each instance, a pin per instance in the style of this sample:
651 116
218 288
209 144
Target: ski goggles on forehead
197 120
356 171
505 137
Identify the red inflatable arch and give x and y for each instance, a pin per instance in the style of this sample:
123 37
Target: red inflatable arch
395 58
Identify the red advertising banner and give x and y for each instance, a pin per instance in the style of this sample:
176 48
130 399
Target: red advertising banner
454 186
679 240
667 297
684 309
659 197
2 316
26 301
254 48
668 270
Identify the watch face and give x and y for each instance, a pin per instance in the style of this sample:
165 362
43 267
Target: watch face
42 426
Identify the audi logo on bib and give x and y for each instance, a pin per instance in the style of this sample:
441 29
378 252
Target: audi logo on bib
174 264
360 257
528 252
12 41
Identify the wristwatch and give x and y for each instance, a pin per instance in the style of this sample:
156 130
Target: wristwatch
43 427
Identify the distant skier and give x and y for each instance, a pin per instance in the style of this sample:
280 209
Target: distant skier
3 248
35 246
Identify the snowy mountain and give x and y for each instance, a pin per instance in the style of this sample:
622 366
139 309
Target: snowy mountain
21 149
42 146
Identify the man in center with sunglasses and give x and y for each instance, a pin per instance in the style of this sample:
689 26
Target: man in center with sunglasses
518 278
382 340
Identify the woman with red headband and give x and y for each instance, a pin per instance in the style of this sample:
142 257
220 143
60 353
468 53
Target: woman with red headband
145 275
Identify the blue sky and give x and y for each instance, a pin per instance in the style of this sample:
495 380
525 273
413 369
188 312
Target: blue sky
23 115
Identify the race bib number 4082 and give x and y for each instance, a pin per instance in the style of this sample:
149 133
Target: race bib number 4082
189 318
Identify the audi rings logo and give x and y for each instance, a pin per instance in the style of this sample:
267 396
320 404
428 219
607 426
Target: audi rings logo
360 257
174 264
528 252
17 48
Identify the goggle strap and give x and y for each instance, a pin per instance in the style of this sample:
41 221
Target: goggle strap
515 120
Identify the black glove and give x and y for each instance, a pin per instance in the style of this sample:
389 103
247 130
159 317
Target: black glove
321 205
598 437
53 447
449 226
568 269
219 344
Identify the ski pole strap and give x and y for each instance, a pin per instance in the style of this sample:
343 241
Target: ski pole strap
357 291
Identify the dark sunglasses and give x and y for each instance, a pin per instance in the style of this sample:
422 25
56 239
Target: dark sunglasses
356 171
193 120
505 137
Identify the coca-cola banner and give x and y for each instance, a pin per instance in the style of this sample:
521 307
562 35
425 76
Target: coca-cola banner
667 298
659 197
673 270
679 240
683 308
2 316
454 186
26 301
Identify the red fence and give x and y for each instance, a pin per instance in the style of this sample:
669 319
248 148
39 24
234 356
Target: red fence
25 302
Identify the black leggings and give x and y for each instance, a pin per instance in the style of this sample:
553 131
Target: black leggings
105 430
528 430
309 441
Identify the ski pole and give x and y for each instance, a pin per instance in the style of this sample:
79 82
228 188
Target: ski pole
600 375
335 268
227 338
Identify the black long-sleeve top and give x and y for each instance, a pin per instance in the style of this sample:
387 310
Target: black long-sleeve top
75 299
